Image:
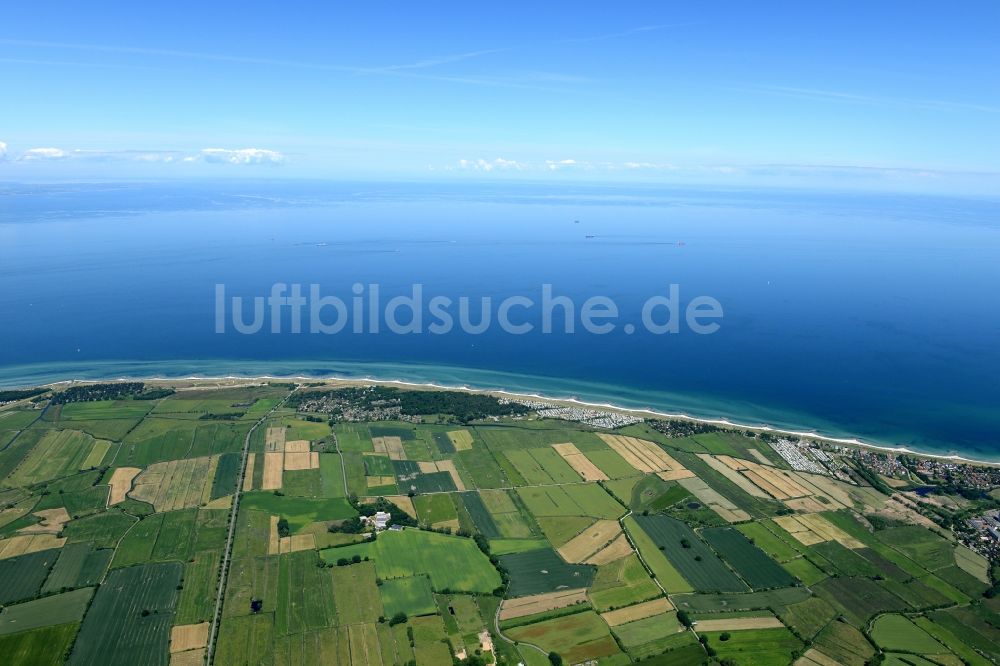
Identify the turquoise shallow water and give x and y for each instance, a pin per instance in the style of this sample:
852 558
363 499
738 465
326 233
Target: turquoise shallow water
699 407
868 316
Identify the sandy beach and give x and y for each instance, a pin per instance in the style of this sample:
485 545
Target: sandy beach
195 382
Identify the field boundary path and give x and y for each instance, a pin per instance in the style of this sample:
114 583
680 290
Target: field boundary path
343 467
227 553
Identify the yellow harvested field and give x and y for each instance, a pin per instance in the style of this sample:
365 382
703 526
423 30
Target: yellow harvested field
728 470
297 461
279 545
376 481
761 458
404 503
713 500
297 542
298 456
591 540
7 516
96 455
273 464
443 466
587 470
616 550
807 505
825 528
273 540
812 528
641 454
675 474
778 483
52 522
188 658
177 484
28 543
248 479
449 466
275 439
539 603
836 491
733 463
637 612
188 637
814 657
224 502
739 624
460 439
390 446
453 524
121 483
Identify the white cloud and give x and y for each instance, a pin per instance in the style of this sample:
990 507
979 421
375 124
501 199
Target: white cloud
555 165
633 166
210 155
44 154
242 156
499 164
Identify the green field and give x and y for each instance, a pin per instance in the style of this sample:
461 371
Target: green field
299 511
378 466
584 499
197 599
356 593
453 563
64 608
741 601
578 637
668 576
920 545
807 617
431 482
226 473
542 466
60 452
39 647
897 633
622 583
755 647
844 644
412 596
127 573
773 540
130 618
23 575
858 598
695 561
433 509
305 596
750 562
480 514
78 565
331 476
648 637
542 570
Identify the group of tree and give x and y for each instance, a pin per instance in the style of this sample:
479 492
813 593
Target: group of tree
20 394
94 392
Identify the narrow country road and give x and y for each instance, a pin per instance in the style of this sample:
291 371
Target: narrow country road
233 513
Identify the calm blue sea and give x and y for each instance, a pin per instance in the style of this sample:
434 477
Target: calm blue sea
865 315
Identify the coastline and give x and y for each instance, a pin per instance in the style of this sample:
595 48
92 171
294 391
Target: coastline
645 412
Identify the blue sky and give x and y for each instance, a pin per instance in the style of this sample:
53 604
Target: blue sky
893 95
